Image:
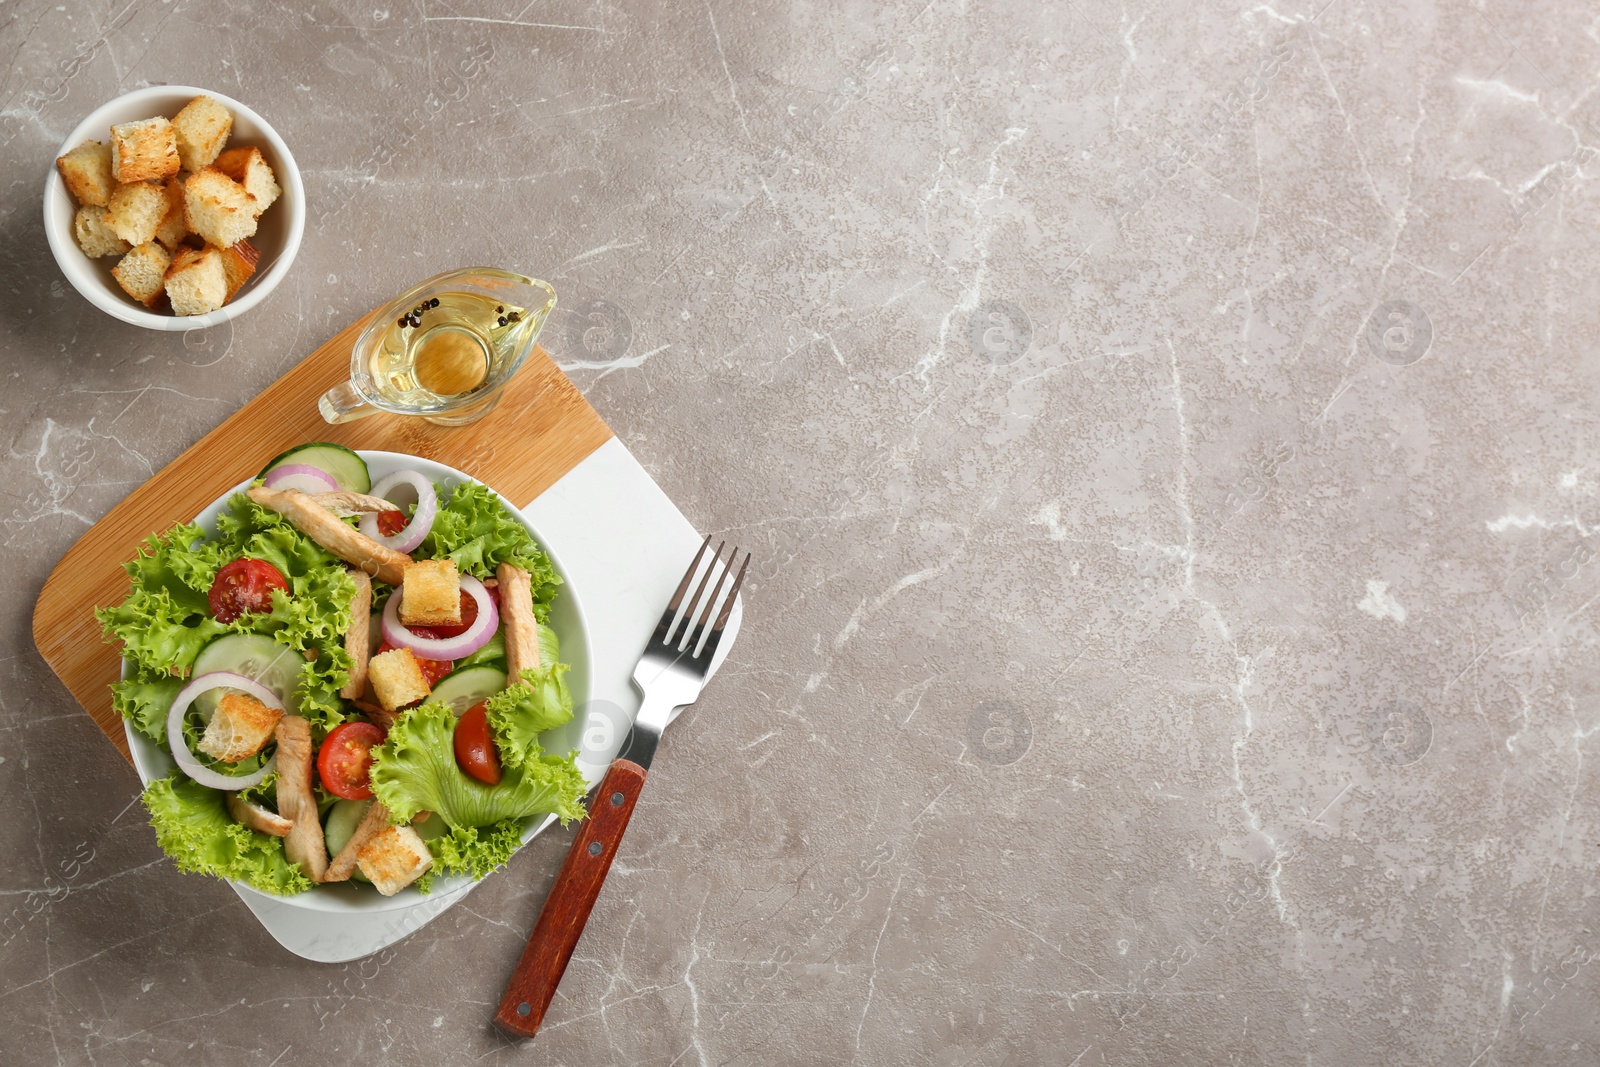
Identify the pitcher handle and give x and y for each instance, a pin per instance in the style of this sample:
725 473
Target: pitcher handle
344 403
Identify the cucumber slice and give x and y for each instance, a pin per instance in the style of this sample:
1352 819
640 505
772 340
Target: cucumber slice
343 465
462 689
341 827
255 656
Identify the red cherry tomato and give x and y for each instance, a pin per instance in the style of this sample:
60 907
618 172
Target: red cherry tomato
475 751
469 615
391 522
433 670
243 587
346 759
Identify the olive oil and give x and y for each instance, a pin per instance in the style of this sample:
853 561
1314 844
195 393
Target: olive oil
446 347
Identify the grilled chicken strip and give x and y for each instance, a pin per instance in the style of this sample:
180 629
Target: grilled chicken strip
257 818
344 864
296 802
342 503
355 638
516 614
323 527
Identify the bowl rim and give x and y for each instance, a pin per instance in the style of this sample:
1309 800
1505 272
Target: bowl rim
449 889
62 245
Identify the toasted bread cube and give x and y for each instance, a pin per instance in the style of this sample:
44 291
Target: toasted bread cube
249 168
217 208
241 727
144 150
393 858
174 227
196 282
238 264
94 236
86 170
397 679
136 211
142 273
202 127
431 593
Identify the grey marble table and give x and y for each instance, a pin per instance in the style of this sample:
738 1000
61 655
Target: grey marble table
1167 434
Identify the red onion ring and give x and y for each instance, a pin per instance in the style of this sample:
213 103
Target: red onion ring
459 647
421 519
301 476
180 746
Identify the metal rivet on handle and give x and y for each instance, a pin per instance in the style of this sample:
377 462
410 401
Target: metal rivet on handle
524 1009
616 800
595 848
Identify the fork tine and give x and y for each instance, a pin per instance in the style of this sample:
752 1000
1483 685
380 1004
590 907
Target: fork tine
665 627
706 609
727 606
712 633
694 606
715 634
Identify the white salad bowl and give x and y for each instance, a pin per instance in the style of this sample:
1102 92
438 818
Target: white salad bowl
351 898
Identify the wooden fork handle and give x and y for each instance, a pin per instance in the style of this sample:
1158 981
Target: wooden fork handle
566 909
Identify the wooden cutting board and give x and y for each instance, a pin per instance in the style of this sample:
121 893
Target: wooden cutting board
542 428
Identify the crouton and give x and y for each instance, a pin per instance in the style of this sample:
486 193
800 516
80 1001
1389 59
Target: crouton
94 236
86 170
397 679
217 208
249 168
142 273
196 282
136 211
144 150
202 128
238 264
241 727
431 593
393 858
174 228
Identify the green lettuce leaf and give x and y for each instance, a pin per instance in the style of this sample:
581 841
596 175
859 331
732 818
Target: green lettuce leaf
415 770
472 850
493 652
193 827
520 713
144 700
549 645
474 528
164 622
312 619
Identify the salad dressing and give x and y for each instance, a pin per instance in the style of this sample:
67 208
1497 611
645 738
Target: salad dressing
446 347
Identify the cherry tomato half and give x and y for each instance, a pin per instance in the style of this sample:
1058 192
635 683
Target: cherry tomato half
346 759
391 522
475 751
469 615
243 587
433 670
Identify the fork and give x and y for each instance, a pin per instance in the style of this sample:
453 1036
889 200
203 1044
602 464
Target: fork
670 674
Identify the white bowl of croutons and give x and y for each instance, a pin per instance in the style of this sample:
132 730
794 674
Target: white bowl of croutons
174 208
